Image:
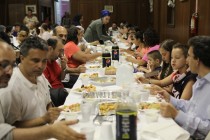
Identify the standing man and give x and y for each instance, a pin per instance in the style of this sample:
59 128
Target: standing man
193 115
30 18
58 130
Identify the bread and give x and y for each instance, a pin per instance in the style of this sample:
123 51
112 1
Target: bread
110 70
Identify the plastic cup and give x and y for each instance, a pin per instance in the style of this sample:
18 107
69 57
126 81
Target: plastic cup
86 111
106 131
89 132
151 115
144 95
93 103
85 80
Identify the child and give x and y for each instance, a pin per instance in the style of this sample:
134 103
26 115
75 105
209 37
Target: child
153 65
182 79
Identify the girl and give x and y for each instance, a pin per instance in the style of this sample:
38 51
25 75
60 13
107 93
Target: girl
181 78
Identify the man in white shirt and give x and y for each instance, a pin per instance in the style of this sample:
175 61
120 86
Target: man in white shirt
27 95
194 114
58 130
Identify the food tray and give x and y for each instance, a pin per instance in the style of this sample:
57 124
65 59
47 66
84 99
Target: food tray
107 108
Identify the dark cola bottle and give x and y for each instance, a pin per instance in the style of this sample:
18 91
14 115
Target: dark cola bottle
106 59
115 53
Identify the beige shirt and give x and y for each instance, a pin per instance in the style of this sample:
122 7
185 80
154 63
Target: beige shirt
23 100
31 19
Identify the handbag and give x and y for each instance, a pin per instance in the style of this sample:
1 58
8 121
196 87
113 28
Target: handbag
58 96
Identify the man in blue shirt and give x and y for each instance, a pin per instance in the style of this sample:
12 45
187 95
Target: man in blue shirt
193 115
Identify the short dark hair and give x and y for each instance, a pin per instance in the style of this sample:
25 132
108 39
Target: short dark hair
24 28
30 10
72 34
151 38
139 35
183 47
52 42
45 26
32 43
155 55
4 36
201 48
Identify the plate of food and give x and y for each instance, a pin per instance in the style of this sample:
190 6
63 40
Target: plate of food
71 108
107 108
110 70
93 67
91 76
104 81
82 89
149 105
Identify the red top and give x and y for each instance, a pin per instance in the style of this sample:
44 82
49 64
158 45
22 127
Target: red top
53 74
69 50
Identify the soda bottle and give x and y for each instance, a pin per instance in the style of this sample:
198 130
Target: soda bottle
106 59
115 53
126 121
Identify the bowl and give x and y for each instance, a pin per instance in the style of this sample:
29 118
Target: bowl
151 115
69 115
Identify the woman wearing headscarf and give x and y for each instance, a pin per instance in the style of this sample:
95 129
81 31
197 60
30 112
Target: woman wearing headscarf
96 30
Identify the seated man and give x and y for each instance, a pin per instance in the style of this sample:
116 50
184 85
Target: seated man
58 130
26 101
69 81
55 72
193 115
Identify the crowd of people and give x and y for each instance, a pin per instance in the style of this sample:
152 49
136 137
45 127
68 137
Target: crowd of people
37 66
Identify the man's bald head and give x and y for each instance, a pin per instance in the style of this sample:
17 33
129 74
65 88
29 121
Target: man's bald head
61 33
7 61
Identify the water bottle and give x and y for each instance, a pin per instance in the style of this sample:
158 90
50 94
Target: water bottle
106 59
126 121
115 53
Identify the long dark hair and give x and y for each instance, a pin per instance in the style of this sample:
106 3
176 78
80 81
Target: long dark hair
72 34
167 69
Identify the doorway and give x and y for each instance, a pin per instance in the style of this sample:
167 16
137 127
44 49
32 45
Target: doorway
61 6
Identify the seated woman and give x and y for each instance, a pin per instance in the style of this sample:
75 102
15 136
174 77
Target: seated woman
73 53
182 79
151 41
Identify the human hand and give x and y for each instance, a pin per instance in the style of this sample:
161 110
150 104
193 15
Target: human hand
164 95
63 62
61 131
155 88
143 80
52 114
168 110
81 69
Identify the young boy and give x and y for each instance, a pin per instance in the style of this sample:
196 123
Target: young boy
153 64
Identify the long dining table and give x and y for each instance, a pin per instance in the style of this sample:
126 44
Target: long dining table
163 129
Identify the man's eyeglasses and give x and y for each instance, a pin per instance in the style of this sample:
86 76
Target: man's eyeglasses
6 65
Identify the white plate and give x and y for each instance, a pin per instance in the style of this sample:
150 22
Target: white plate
104 81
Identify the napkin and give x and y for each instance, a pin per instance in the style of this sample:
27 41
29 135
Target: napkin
164 131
